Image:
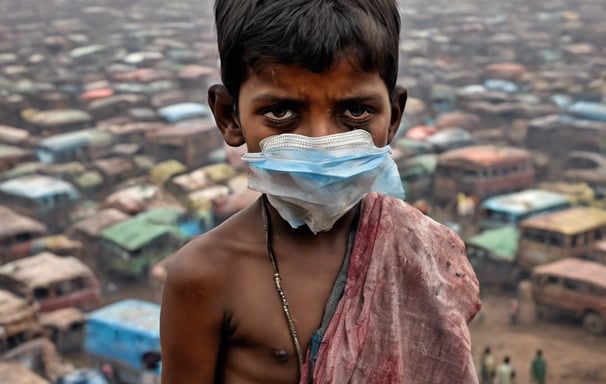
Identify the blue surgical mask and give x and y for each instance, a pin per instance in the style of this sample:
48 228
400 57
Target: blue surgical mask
317 180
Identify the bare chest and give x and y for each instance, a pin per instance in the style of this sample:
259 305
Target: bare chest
259 338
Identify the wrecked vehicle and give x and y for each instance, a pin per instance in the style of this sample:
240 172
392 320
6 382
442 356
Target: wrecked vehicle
557 235
52 282
574 287
482 171
18 321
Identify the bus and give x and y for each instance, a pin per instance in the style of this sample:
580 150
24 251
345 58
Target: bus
568 233
492 255
482 171
575 287
42 197
124 334
17 233
52 282
19 321
511 208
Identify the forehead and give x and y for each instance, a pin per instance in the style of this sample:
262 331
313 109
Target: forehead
343 79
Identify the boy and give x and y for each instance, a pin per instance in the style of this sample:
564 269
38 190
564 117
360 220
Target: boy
324 279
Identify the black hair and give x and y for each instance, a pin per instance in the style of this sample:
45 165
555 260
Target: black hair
312 34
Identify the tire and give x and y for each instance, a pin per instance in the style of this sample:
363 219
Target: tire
593 323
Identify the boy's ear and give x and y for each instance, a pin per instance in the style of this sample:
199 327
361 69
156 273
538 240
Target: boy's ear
398 104
222 105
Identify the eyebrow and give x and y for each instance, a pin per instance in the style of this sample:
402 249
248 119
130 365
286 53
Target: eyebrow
272 98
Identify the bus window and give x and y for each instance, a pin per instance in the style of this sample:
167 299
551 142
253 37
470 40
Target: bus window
22 237
556 239
579 240
16 339
535 236
551 280
576 286
41 293
77 326
80 283
64 288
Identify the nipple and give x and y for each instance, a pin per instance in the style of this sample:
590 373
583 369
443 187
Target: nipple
281 355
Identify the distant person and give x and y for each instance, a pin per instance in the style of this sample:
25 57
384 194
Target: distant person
514 311
538 368
487 367
505 372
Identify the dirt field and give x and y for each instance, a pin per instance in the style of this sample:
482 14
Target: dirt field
573 356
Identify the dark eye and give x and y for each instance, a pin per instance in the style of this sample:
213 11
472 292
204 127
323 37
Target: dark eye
358 112
279 113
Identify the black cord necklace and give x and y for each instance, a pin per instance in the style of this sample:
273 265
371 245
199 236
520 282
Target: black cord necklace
277 281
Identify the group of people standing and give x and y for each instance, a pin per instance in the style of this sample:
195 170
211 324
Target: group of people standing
505 372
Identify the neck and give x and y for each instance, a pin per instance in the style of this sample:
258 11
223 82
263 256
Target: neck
282 229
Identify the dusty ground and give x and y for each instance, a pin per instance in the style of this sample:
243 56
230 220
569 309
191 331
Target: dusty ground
573 356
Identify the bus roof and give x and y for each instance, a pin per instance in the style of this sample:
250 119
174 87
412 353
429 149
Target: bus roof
59 117
11 151
13 308
485 155
525 201
37 186
132 314
12 135
86 137
135 233
181 111
94 224
576 269
502 242
568 221
13 223
43 269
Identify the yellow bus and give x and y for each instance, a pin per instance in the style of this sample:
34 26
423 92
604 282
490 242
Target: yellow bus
568 233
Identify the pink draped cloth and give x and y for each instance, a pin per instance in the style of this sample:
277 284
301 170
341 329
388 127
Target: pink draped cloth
409 296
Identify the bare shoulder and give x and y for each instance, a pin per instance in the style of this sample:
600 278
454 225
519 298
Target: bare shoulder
200 263
206 260
196 302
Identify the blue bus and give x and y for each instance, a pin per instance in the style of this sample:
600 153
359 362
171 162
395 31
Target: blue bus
124 334
511 208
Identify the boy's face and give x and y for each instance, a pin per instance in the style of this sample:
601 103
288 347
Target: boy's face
289 99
